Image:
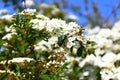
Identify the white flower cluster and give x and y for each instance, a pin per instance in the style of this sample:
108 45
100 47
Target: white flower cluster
6 17
3 11
67 38
54 9
71 17
28 3
63 36
107 52
56 28
17 60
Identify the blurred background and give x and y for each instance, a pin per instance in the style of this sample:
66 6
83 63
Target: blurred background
102 13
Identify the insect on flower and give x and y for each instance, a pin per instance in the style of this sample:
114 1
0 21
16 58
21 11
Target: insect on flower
80 31
61 40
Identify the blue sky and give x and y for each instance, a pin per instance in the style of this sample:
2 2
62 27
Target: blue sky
105 7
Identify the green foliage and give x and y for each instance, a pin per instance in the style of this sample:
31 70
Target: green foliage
21 42
76 70
4 76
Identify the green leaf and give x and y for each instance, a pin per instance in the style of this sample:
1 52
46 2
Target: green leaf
17 20
47 77
80 51
4 76
71 49
91 42
2 58
1 42
44 71
65 65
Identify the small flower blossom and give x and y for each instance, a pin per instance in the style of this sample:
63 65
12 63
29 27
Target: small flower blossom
43 45
39 16
38 24
55 11
28 3
3 11
18 60
28 12
8 36
71 17
7 17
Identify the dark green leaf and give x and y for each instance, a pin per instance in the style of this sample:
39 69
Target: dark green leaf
44 71
4 76
46 77
71 49
80 51
1 42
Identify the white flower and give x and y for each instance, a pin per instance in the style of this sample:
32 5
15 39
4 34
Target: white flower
53 40
118 57
72 28
99 52
109 57
60 50
28 3
72 17
3 11
70 44
107 61
90 59
42 45
86 73
28 12
115 35
116 48
2 71
38 24
93 31
17 60
43 5
42 17
103 42
105 33
10 29
106 52
8 71
116 73
7 17
74 50
21 59
8 36
55 11
116 26
70 39
55 25
46 45
106 74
